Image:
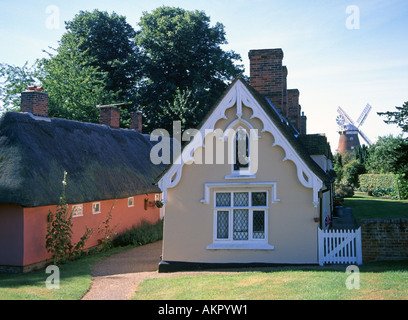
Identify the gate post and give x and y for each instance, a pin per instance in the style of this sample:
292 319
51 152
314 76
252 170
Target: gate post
320 243
359 251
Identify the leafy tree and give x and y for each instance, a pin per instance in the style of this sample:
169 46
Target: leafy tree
182 108
351 172
106 41
388 154
399 117
338 166
15 80
100 55
361 153
74 86
181 50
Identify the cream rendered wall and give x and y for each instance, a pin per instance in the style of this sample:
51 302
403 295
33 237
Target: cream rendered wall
188 224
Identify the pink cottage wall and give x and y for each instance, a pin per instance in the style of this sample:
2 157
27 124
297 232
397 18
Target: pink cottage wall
123 217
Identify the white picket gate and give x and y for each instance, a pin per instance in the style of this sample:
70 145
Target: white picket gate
340 246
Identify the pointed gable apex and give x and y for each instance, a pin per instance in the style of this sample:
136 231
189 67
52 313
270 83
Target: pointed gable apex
239 93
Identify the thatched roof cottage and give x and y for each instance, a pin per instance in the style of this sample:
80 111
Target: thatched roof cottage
108 170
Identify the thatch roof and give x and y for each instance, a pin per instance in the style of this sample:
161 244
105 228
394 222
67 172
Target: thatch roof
102 163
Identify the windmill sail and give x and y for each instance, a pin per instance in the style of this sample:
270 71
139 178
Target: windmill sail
345 116
365 138
363 115
349 130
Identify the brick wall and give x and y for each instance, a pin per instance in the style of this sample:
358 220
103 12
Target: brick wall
384 239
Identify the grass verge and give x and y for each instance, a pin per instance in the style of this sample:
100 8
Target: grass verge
367 207
388 281
75 276
75 281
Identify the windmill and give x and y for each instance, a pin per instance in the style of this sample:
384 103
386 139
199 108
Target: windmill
349 130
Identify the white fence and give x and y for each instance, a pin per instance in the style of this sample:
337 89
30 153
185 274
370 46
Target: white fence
340 246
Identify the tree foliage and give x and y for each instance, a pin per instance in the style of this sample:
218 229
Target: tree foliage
181 51
15 80
388 154
74 86
106 42
173 68
399 117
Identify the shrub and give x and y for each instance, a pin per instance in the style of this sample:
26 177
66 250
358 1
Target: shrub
382 192
143 234
351 172
343 191
380 185
58 240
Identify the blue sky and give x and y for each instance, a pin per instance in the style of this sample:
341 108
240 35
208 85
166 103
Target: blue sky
332 60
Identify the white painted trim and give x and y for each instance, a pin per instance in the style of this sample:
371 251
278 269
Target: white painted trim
239 95
77 210
93 208
240 246
227 185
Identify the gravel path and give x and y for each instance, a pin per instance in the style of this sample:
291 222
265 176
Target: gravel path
116 277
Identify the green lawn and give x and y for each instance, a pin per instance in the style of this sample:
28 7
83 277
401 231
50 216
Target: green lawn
388 281
379 280
75 281
371 207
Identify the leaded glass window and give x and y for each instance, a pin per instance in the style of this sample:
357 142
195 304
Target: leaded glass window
223 199
241 199
258 199
258 224
222 224
241 215
240 221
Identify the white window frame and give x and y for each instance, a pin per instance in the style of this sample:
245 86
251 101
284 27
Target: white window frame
94 211
131 202
251 243
77 210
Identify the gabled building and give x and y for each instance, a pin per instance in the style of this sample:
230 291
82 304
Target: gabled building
260 204
108 171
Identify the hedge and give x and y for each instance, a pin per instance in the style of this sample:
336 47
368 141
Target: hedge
376 181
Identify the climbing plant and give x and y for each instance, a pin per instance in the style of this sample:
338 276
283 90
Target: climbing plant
59 232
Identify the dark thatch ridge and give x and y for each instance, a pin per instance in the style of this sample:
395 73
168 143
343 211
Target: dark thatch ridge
102 163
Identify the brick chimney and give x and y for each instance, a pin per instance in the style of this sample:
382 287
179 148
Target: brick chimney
136 121
35 101
267 75
294 107
110 116
303 120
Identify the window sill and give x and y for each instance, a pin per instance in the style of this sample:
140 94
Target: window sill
240 176
240 246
